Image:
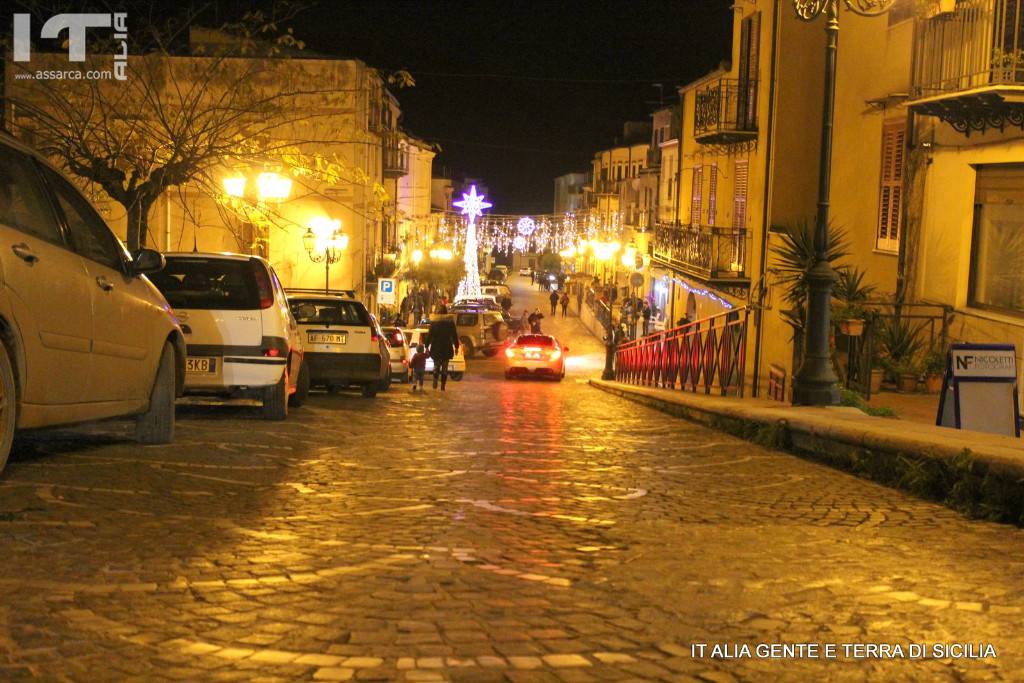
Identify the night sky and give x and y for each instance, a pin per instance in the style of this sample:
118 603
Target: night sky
519 92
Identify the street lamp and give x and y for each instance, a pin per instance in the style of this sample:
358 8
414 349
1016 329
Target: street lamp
815 382
324 242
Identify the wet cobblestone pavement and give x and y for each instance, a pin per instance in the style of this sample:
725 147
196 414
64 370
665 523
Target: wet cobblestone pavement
501 531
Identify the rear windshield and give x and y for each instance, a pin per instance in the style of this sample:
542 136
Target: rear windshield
535 340
209 284
395 336
314 312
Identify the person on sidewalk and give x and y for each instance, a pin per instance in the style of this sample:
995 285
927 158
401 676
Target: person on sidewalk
565 304
554 303
534 321
442 343
647 312
419 367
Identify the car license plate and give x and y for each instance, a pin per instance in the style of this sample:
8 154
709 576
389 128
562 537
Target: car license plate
201 366
325 338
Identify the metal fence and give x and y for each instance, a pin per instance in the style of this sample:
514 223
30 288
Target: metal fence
707 355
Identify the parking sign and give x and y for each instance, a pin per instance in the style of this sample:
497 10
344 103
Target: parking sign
386 291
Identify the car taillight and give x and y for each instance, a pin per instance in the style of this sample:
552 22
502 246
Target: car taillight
510 352
272 353
274 347
266 292
555 355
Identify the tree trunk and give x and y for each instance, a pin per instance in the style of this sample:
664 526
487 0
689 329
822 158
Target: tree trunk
138 223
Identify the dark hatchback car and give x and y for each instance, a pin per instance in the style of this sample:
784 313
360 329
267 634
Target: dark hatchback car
344 345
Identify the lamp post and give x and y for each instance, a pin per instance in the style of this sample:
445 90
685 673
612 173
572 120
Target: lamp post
324 242
815 381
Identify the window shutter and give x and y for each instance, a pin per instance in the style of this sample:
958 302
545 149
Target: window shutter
890 201
739 195
695 197
712 195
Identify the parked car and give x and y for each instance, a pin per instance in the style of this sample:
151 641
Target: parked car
481 330
84 335
499 292
344 345
526 271
398 353
242 340
535 354
457 365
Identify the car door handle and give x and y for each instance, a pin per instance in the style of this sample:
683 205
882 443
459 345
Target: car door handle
105 284
24 252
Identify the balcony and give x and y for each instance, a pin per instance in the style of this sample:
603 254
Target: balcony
726 112
394 157
605 186
716 256
638 218
969 65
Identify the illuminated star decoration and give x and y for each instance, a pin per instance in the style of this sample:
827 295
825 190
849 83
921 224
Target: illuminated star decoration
526 226
519 243
472 205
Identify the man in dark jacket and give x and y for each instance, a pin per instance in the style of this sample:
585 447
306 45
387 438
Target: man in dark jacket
554 302
442 344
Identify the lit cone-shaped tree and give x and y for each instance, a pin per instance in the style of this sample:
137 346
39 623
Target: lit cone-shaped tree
472 205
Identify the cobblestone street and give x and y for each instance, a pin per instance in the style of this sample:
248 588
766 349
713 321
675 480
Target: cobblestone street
519 531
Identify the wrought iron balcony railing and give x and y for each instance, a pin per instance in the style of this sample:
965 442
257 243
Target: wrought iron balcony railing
606 186
394 157
726 112
711 254
966 62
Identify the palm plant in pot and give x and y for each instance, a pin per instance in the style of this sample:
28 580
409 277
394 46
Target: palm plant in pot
900 348
933 365
851 294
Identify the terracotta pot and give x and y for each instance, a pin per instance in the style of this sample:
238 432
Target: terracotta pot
908 383
852 328
933 383
877 374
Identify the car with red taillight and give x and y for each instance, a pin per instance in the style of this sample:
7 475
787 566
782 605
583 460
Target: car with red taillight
537 355
398 352
241 337
344 345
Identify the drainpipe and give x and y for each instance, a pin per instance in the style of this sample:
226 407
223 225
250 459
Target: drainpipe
766 221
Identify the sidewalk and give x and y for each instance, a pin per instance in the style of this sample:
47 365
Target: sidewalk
982 474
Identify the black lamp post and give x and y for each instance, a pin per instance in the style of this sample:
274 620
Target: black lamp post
815 381
328 251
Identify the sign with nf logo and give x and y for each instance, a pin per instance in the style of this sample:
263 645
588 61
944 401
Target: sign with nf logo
979 391
386 294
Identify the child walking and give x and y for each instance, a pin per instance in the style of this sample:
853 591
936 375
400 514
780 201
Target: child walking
419 367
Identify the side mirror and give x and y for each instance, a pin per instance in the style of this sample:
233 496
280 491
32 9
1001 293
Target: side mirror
565 348
147 261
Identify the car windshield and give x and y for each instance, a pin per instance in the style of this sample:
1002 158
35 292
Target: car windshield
208 284
327 312
535 340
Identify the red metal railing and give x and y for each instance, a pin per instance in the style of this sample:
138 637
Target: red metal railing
708 355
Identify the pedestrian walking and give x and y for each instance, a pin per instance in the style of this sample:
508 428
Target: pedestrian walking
554 302
442 343
534 321
419 367
565 304
647 312
524 321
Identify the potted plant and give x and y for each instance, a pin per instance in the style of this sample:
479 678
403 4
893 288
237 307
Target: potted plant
851 294
934 366
900 345
908 372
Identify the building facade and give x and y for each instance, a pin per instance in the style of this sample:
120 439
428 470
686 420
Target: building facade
569 192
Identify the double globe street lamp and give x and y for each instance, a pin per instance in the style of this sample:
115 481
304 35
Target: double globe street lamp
325 243
815 382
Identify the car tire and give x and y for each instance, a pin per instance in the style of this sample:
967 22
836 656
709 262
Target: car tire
369 390
275 399
156 425
9 405
490 353
385 384
456 376
301 387
467 346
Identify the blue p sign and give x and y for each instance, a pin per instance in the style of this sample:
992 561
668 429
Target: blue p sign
387 286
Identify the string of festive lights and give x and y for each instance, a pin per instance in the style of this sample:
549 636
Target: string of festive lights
533 234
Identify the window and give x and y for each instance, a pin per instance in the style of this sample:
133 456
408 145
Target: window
209 284
695 196
465 320
739 194
23 204
746 102
325 312
712 195
997 248
90 236
890 200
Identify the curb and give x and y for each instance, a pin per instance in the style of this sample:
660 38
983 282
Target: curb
979 474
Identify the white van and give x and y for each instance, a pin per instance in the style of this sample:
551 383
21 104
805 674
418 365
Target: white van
242 340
